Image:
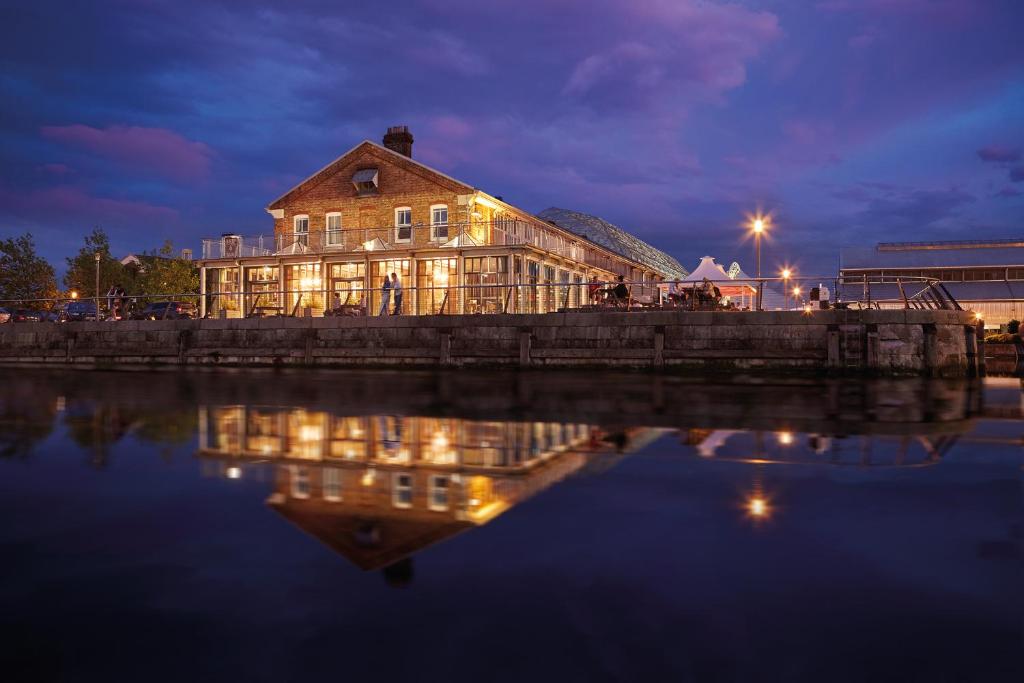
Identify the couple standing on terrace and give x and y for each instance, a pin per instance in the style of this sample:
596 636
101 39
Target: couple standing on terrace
389 286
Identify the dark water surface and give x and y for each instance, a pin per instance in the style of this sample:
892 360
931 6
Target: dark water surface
378 526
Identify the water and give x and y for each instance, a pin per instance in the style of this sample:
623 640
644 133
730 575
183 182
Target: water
508 527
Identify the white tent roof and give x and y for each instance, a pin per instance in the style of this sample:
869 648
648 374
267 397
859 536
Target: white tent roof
292 249
462 240
376 244
707 269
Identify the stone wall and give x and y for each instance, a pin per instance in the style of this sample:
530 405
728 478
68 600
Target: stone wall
885 342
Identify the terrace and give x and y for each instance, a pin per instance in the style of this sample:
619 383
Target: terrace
420 236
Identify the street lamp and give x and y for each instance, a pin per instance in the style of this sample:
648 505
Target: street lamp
758 226
786 272
97 257
796 295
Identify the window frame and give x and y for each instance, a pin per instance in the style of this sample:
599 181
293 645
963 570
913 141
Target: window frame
334 232
399 226
434 479
434 224
396 489
300 235
335 485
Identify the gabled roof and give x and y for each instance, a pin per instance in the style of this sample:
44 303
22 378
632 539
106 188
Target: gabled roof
394 537
394 156
615 239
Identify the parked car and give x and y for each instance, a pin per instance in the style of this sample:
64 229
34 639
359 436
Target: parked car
26 315
76 311
5 315
167 310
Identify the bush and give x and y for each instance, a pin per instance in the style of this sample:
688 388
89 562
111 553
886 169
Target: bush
1013 327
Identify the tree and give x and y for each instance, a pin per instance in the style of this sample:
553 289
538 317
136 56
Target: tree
24 274
163 273
81 275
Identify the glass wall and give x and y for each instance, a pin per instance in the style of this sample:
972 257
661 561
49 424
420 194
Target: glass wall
223 292
436 281
348 281
262 291
305 288
378 271
486 284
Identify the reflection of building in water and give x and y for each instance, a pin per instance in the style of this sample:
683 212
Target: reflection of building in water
784 447
378 489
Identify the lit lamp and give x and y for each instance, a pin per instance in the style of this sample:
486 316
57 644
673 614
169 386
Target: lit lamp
786 272
759 225
74 294
796 296
97 257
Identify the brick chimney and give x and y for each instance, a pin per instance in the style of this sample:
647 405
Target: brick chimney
399 139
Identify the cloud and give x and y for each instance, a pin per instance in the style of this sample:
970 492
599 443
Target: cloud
677 46
448 52
1017 174
56 169
69 204
888 207
1008 192
157 150
945 9
999 153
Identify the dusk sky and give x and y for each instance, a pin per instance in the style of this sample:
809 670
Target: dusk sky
850 121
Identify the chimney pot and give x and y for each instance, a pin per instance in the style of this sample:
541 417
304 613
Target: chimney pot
399 139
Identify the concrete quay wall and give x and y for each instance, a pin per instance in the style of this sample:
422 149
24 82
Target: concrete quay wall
874 341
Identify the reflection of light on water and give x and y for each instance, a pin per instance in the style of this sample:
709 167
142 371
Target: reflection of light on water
757 507
61 403
234 473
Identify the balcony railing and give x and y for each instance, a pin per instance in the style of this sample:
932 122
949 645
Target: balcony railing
320 242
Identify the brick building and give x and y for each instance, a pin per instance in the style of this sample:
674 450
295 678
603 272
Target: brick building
375 211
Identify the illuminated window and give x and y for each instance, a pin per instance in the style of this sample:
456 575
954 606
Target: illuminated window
332 484
438 493
300 482
401 490
439 222
403 224
302 229
334 235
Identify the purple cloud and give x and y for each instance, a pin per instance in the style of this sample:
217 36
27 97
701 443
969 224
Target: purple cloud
158 150
1008 192
999 153
66 201
1017 174
674 47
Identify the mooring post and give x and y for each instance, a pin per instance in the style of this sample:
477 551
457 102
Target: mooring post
659 346
931 348
834 359
525 343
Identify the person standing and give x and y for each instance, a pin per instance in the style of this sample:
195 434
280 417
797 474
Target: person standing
385 296
396 288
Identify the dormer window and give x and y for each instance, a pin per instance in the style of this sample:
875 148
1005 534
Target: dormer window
366 182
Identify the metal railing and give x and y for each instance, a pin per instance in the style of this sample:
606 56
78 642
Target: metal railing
496 297
383 238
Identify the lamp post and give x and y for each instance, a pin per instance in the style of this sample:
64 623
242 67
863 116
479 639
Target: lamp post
97 257
758 229
785 285
796 296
